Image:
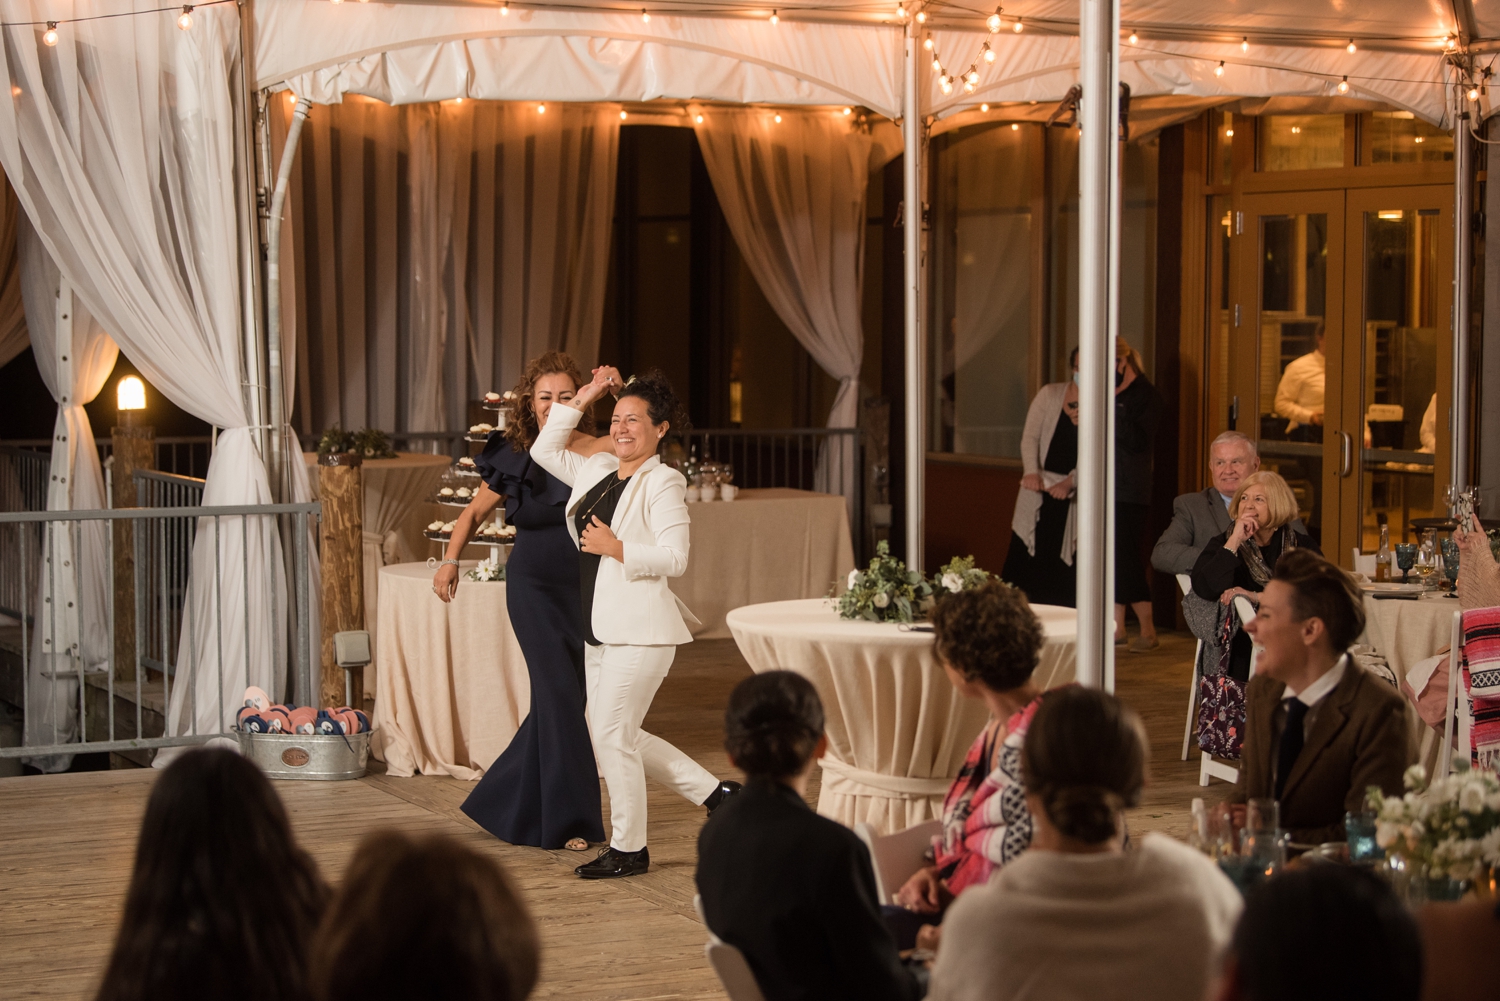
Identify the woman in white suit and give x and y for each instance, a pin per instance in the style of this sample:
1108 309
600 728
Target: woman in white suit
629 517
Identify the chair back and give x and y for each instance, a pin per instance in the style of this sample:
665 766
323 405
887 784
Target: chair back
729 964
1246 612
1185 581
1457 704
894 857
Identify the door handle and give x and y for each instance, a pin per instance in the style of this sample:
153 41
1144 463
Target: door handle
1346 453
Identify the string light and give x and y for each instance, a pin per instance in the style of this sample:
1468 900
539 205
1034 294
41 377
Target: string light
50 35
848 111
335 1
1229 133
984 107
1450 43
927 43
1016 26
185 19
901 11
1344 86
645 16
1351 48
1219 69
775 17
1245 44
993 21
623 116
970 87
972 77
291 98
946 84
15 90
921 17
504 8
541 109
778 119
1014 127
988 53
1473 94
698 119
1134 38
937 65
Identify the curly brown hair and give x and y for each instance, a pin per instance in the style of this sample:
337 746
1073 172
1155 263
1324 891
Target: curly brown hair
521 429
989 634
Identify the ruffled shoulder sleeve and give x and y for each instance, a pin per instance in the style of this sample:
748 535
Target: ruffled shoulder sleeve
502 467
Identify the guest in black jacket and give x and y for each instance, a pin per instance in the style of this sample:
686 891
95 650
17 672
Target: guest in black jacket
792 890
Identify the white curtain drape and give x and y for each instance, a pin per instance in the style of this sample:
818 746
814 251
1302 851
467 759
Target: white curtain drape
792 188
120 142
433 248
74 356
14 337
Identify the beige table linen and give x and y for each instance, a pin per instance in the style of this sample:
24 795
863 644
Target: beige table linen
1408 631
765 545
454 687
397 509
897 730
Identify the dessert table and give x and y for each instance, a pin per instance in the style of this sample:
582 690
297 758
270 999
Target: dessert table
765 545
897 730
453 682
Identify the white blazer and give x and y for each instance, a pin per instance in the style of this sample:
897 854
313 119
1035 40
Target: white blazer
632 604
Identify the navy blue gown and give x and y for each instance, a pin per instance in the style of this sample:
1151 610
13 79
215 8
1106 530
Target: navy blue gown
544 788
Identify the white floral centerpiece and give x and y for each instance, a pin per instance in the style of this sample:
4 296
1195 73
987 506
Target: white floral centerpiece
1446 829
487 570
886 591
960 574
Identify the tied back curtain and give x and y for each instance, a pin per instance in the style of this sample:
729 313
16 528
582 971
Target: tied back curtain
74 356
120 143
432 249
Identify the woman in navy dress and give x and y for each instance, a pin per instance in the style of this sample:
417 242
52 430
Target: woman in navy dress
543 790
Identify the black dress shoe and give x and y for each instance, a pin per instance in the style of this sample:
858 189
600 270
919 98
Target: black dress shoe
720 794
613 863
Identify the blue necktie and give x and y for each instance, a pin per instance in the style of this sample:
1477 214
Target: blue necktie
1291 742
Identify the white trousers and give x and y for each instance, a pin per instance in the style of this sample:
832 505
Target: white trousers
622 681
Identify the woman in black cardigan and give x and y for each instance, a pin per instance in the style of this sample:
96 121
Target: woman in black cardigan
1241 561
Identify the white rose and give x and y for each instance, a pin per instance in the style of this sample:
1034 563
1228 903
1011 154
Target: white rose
882 600
953 582
1414 777
1471 798
853 579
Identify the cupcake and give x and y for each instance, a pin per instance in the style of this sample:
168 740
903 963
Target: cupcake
445 492
492 397
436 526
461 492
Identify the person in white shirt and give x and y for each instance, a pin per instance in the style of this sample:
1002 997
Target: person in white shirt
1299 394
1079 916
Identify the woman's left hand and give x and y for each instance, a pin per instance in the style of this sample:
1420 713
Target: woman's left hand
1235 592
1062 489
600 541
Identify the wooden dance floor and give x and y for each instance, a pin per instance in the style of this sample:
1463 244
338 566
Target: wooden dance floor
66 844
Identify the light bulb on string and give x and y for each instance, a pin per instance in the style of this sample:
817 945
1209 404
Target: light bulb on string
50 35
1219 69
185 19
985 108
946 85
623 116
775 17
848 112
291 98
901 11
778 119
993 21
505 9
1473 94
541 109
1016 26
335 1
921 17
1450 43
970 87
698 119
1351 48
1015 127
1245 44
927 43
645 16
1343 87
972 76
937 65
988 53
1134 38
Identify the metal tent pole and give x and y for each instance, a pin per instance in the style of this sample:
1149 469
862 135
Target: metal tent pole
916 442
1098 158
1462 265
250 264
273 296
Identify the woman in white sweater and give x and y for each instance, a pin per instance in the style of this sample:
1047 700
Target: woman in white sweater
628 515
1079 917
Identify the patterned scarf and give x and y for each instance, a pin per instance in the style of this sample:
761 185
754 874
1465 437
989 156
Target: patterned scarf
1255 562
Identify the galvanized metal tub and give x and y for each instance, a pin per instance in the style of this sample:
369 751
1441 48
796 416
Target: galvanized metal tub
318 757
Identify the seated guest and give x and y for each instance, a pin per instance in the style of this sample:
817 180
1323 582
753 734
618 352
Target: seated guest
1241 560
1319 729
1080 916
1321 932
1198 517
423 918
988 641
792 890
222 902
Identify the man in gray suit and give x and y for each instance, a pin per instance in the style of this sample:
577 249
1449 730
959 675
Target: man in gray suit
1197 518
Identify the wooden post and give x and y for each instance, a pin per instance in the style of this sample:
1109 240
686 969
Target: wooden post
133 448
341 492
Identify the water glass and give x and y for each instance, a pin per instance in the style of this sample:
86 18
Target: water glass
1450 560
1360 831
1406 558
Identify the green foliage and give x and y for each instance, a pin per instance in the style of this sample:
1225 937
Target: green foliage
959 574
886 591
368 443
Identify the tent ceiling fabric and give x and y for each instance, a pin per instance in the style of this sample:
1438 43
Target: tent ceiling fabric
1418 24
404 53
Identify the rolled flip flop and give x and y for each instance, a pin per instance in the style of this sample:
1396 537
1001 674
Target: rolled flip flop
257 697
364 721
279 718
254 724
302 719
245 713
326 723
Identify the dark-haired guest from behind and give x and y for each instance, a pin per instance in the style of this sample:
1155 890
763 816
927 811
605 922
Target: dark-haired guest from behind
424 919
222 902
1322 932
1319 729
1079 917
792 890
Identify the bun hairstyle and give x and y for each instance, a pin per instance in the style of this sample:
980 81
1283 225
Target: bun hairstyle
521 429
772 724
1085 759
662 403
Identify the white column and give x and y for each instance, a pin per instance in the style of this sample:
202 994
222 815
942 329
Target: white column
1098 224
916 432
1462 242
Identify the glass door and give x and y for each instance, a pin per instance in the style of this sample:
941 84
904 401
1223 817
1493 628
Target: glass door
1286 321
1396 362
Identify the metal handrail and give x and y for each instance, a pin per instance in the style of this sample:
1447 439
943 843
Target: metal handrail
144 513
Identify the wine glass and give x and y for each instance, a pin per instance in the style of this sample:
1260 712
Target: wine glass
1406 558
1450 561
1427 553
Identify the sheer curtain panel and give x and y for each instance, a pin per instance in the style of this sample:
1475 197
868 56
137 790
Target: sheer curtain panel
120 142
13 334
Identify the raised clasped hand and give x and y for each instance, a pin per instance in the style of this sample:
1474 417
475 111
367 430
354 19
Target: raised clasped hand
613 381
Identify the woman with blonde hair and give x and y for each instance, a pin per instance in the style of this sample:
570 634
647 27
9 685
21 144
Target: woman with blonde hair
542 790
1241 561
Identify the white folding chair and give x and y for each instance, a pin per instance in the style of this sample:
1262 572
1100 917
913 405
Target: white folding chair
729 964
895 857
1208 768
1458 704
1186 583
